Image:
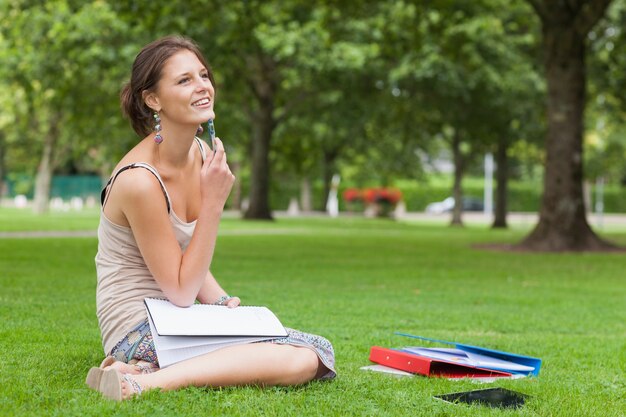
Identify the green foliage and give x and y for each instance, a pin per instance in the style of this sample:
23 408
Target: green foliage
605 143
614 198
367 89
522 196
62 64
377 277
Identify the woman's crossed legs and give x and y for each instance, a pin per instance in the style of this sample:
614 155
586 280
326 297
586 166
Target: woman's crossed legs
263 364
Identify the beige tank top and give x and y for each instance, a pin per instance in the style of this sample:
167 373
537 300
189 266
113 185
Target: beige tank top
123 277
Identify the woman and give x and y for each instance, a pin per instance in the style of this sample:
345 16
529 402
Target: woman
157 234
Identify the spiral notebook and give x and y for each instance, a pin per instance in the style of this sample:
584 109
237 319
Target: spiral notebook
182 333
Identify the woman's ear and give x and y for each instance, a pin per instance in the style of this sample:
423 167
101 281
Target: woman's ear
151 100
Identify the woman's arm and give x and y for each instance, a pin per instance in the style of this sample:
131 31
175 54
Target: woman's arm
211 291
180 275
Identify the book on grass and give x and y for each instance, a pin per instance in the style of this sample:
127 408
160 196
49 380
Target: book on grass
180 333
462 361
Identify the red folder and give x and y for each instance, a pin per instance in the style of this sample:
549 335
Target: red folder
429 367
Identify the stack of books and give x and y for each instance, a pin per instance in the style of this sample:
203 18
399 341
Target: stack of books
460 361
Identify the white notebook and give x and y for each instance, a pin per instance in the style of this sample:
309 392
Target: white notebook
182 333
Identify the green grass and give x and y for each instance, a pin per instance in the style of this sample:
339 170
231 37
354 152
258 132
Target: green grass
353 281
23 220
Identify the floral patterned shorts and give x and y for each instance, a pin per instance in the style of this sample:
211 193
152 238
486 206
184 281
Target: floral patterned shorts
138 345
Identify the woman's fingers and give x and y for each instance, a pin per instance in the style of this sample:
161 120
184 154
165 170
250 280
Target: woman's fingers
217 162
233 302
219 145
218 154
216 177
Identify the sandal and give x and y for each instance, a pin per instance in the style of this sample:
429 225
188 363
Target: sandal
94 374
108 361
111 385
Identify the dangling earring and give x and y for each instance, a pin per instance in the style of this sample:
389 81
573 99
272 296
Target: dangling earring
157 128
200 130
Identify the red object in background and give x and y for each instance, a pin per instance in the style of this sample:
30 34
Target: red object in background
382 195
352 194
429 367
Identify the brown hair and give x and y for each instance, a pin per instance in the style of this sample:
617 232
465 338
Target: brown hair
146 73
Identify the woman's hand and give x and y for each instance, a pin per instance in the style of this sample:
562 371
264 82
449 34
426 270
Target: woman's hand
216 179
227 301
233 302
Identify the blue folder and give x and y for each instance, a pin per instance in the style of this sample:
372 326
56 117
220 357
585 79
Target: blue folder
535 363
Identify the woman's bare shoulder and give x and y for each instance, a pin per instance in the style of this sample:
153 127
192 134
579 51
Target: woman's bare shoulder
136 182
134 187
139 153
131 187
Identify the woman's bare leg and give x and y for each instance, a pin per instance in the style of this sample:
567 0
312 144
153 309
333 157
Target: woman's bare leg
256 363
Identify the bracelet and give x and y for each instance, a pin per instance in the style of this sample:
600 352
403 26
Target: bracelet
222 300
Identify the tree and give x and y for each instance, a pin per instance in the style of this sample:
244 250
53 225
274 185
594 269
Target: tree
517 116
8 118
465 64
293 52
562 221
269 57
605 143
61 64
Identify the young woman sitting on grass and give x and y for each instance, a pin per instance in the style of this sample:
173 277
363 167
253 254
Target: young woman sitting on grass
158 227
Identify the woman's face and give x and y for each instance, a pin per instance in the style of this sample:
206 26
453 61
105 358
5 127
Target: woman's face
184 94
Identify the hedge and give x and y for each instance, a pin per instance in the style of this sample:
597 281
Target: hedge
523 196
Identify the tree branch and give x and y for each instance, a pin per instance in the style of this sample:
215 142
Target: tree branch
540 8
289 105
589 14
252 86
574 6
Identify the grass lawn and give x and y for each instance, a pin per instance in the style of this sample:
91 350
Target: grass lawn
354 281
23 220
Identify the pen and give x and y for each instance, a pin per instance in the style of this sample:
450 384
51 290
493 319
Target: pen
211 133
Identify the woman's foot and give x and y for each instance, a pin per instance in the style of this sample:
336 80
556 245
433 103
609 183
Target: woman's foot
118 386
109 363
144 367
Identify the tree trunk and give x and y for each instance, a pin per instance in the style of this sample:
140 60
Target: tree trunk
502 180
263 127
562 223
457 190
263 84
44 170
